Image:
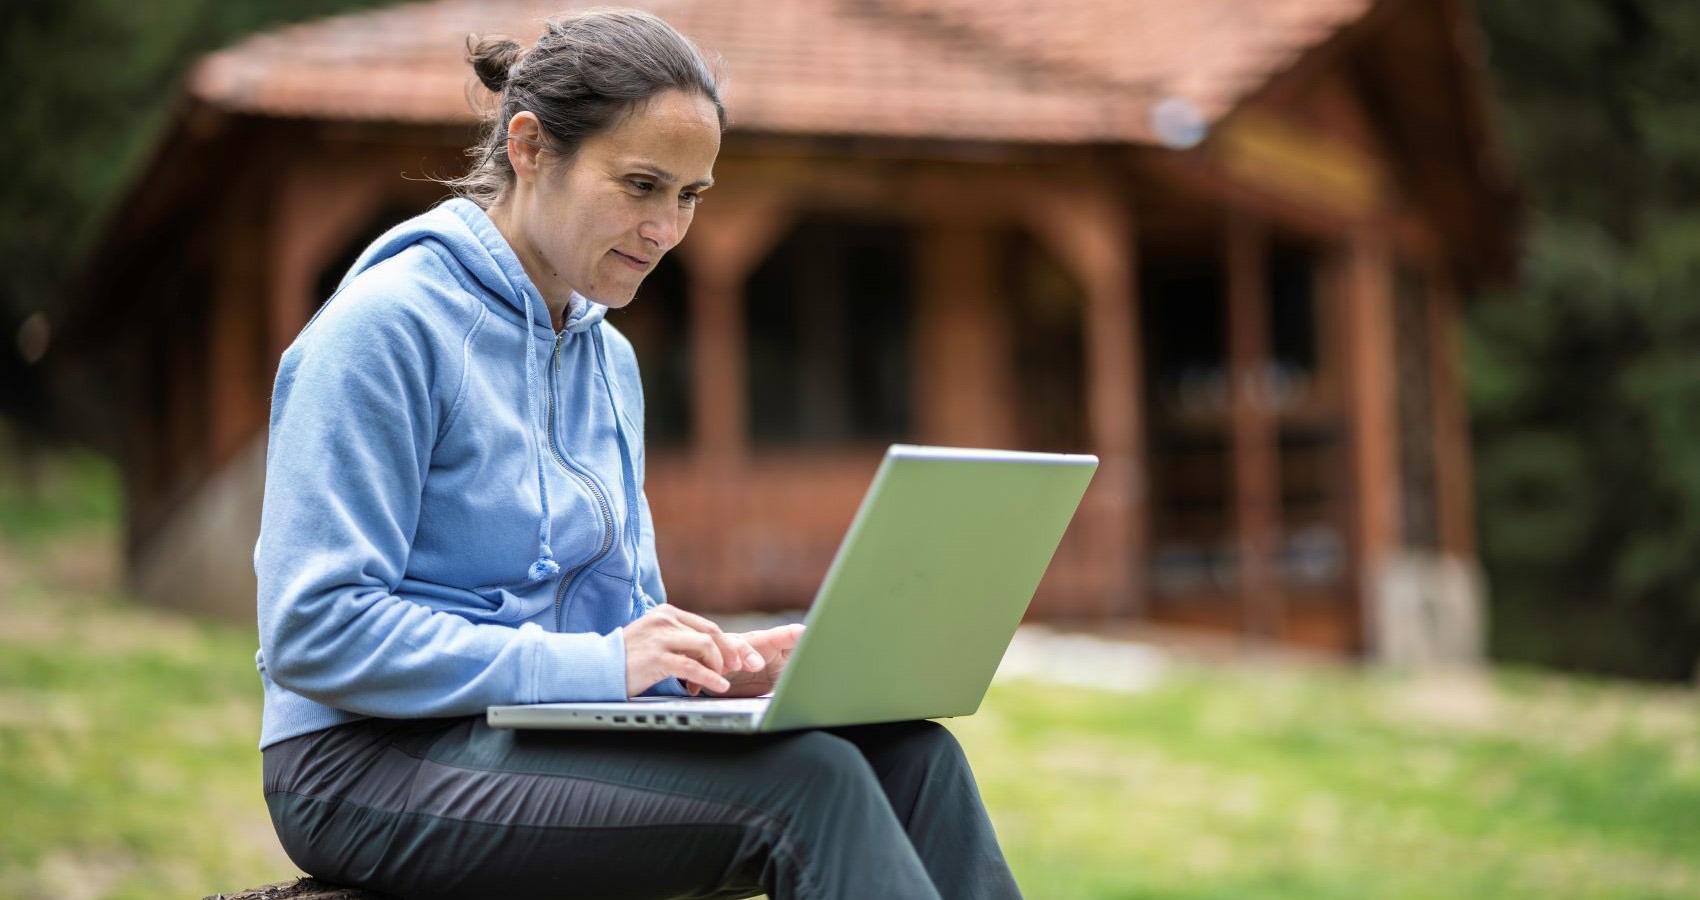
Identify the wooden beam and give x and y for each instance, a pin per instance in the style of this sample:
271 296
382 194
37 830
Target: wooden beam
1092 234
728 239
1453 478
1365 298
238 378
317 209
962 347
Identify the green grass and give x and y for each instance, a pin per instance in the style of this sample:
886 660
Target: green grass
54 496
1322 784
128 768
127 758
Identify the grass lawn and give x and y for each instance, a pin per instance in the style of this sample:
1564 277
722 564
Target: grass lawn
128 769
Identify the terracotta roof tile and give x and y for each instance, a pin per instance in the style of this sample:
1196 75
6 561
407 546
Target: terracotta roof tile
1207 51
1016 70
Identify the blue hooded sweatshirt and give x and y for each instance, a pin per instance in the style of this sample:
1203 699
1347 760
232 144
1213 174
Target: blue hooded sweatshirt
454 512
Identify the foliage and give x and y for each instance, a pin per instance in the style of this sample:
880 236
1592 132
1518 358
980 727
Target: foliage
1585 379
90 85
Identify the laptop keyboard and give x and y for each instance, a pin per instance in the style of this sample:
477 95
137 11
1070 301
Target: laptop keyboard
718 704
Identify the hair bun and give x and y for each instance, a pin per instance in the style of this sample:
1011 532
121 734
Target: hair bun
492 59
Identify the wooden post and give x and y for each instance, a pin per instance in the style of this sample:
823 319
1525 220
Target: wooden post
317 210
1256 479
725 243
1092 235
1451 425
724 246
238 379
962 347
1367 314
720 412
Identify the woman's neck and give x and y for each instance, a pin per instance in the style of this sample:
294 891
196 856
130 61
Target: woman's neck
557 296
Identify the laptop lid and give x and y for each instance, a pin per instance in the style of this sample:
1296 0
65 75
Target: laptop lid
928 585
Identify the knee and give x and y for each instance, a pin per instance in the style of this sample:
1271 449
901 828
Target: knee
819 764
932 745
936 739
820 754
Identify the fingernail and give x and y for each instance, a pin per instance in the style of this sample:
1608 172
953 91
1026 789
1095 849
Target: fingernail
754 661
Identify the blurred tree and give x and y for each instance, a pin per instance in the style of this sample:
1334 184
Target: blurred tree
90 85
1585 379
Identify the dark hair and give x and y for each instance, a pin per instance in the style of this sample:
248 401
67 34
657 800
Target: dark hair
586 70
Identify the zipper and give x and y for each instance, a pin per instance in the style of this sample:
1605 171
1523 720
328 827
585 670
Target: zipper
596 492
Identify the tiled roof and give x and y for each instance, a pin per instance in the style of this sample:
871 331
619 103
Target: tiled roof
1013 70
1209 52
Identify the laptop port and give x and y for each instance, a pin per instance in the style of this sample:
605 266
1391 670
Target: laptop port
620 719
682 720
641 720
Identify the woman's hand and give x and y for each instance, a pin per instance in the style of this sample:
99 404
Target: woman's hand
668 642
775 646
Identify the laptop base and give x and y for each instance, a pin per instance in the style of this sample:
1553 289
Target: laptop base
709 714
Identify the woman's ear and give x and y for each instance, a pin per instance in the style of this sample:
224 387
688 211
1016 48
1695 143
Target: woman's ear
525 143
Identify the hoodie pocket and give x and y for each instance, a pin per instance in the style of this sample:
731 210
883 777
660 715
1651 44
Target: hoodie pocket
495 603
515 602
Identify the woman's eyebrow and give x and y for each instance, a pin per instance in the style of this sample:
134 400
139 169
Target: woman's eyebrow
664 175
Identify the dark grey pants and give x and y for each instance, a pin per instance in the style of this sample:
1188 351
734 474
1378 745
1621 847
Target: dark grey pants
454 808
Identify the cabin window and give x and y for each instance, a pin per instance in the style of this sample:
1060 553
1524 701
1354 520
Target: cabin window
1044 307
1182 293
658 323
1300 387
828 325
1195 541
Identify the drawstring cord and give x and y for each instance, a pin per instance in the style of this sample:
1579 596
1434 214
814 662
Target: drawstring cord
545 566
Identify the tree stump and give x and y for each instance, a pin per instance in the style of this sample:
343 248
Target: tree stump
301 889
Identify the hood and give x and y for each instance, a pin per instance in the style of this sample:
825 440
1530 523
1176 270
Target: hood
463 229
466 232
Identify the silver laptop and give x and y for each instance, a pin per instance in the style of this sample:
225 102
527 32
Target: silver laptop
916 611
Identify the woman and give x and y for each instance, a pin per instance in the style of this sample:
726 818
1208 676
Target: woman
454 517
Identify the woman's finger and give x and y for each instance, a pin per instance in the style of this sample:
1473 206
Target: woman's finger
738 652
691 619
696 645
689 670
734 649
769 641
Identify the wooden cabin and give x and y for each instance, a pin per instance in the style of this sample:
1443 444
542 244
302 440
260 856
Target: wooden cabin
1221 244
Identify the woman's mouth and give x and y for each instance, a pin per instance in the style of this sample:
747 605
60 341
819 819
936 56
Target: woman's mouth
633 261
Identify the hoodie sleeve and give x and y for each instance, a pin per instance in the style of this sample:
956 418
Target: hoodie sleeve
649 564
359 402
649 585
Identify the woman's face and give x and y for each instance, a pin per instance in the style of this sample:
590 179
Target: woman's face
599 222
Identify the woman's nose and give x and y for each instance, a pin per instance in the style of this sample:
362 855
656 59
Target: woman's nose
662 232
